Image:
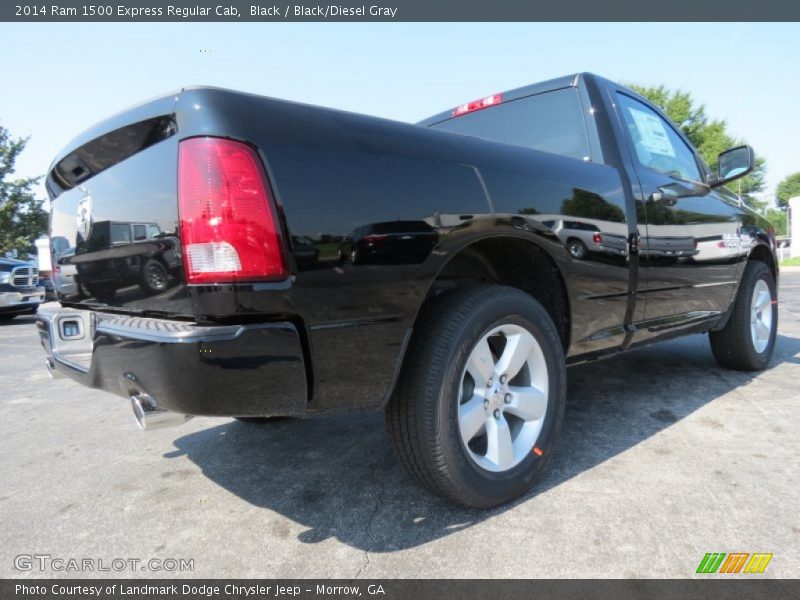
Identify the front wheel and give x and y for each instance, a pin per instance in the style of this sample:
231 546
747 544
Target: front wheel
480 400
747 341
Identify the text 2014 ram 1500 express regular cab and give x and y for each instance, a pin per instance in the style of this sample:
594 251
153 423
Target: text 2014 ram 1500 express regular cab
311 260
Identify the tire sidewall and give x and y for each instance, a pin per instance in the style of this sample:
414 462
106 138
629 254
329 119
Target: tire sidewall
759 272
488 487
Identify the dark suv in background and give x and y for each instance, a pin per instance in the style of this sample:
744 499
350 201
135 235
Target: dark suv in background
20 292
392 241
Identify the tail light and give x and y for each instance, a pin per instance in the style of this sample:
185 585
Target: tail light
478 105
374 238
597 238
228 225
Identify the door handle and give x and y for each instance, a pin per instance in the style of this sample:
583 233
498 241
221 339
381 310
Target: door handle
663 199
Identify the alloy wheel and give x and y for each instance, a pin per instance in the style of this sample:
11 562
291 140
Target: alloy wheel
761 315
503 401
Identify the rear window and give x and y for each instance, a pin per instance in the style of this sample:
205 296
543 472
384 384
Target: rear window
580 225
550 122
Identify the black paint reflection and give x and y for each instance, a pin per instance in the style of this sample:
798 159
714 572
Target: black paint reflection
119 254
389 242
590 227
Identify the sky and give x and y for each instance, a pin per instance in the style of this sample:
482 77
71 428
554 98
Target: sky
58 79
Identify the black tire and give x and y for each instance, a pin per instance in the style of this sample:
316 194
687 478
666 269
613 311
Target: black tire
260 420
577 248
422 415
733 345
154 277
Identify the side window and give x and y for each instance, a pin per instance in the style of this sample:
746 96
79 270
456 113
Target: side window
120 233
551 122
139 233
656 144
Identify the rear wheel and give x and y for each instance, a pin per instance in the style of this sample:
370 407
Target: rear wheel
577 248
747 341
480 401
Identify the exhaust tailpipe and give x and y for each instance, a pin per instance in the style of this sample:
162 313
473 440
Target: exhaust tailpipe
150 416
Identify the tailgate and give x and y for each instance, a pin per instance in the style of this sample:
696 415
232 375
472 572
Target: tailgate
114 214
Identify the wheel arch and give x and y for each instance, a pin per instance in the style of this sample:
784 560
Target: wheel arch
763 253
510 258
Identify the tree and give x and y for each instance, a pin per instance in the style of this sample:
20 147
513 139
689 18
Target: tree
709 136
777 217
22 218
788 188
591 206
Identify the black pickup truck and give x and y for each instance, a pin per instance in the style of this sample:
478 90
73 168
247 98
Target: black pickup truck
318 261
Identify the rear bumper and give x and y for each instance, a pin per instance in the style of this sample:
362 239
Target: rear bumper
216 370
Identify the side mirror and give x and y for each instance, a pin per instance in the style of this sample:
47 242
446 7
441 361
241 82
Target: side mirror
734 163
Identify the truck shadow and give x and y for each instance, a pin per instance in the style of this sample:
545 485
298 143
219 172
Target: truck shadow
18 320
337 476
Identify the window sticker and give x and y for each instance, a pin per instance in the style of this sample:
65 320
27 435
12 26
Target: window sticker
652 133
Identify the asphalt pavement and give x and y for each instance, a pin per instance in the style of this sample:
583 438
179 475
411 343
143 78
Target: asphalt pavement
664 457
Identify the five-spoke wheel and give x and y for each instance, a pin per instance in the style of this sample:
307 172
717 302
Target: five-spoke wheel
761 315
480 400
747 339
503 397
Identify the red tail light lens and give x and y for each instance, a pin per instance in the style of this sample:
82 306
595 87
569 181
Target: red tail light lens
478 105
229 229
597 238
374 238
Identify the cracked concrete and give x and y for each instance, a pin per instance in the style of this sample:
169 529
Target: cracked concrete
663 457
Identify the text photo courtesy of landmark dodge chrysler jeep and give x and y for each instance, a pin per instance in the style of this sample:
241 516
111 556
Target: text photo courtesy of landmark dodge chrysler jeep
322 261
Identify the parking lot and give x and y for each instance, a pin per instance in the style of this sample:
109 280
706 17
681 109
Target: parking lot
663 458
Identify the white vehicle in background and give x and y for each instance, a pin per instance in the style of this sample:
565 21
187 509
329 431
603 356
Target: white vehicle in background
64 274
583 237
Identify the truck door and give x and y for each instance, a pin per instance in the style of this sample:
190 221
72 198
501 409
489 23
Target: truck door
690 247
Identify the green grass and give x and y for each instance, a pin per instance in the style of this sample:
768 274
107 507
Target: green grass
791 262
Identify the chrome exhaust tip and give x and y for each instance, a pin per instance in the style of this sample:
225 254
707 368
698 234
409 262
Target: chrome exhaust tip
51 368
149 416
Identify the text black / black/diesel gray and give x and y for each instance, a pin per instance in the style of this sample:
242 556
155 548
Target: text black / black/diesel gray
235 255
